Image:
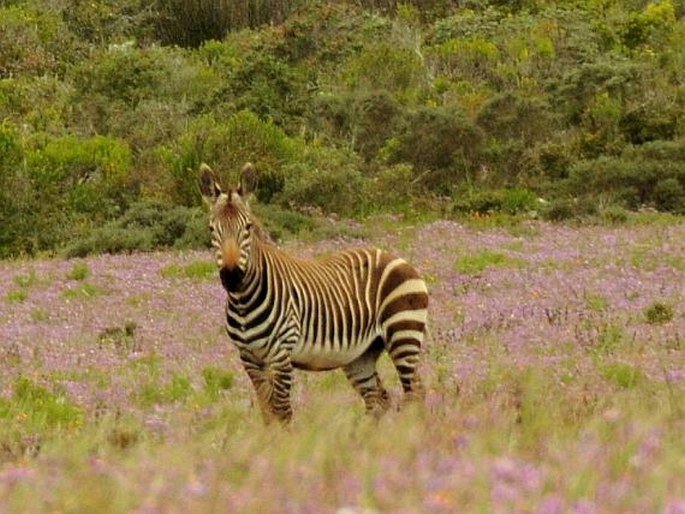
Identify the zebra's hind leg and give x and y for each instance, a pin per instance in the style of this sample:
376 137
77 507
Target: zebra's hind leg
404 348
364 378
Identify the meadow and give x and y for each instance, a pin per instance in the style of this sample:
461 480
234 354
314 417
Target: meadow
555 372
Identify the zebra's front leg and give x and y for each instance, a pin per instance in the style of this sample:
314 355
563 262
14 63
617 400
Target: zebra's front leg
260 382
272 382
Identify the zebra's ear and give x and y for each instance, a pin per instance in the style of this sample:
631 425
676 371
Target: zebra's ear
209 186
248 180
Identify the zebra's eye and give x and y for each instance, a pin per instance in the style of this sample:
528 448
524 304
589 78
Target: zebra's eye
248 226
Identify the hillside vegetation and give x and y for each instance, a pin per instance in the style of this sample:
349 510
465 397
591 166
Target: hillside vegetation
354 108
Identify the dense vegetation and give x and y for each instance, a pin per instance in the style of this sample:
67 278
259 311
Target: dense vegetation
108 107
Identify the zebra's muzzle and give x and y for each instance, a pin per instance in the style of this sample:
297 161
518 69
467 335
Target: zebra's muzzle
231 278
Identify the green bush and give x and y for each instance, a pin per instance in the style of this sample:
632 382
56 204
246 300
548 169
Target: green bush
563 209
147 225
62 187
514 116
32 42
110 239
249 139
512 201
390 188
656 21
440 142
11 156
326 179
108 21
652 174
268 87
189 23
386 67
91 176
366 119
144 96
614 214
281 223
471 58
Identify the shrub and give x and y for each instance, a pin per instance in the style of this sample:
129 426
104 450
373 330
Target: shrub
283 222
657 19
324 178
517 200
561 209
248 138
473 58
62 187
366 119
651 174
142 95
32 42
269 87
188 23
669 195
509 201
594 85
441 141
514 116
386 67
390 188
145 226
614 214
107 21
92 176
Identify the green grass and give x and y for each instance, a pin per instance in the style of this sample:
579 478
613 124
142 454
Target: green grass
79 271
199 270
16 296
596 302
82 291
217 380
26 279
34 409
623 375
472 264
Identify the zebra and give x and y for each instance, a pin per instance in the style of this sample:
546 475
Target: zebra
285 313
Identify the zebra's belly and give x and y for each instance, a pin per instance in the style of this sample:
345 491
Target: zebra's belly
311 358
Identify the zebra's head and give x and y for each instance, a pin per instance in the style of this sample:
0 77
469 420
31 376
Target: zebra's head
231 224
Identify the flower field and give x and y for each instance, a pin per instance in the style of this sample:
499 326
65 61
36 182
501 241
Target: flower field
555 370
